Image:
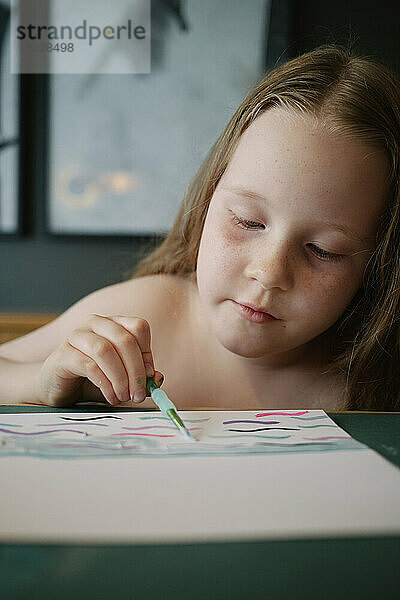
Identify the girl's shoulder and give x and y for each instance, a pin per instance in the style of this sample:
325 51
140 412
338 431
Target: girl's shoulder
155 297
328 393
139 292
162 300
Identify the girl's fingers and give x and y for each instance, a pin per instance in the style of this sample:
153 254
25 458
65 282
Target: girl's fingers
78 363
102 352
158 378
140 328
131 338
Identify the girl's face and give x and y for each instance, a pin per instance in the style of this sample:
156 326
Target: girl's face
290 229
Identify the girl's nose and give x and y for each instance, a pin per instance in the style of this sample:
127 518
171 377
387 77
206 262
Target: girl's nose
272 268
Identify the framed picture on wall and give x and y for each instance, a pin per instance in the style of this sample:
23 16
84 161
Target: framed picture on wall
10 196
122 148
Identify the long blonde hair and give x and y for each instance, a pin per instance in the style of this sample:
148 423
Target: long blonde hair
359 98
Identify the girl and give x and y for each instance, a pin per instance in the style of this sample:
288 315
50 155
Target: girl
277 286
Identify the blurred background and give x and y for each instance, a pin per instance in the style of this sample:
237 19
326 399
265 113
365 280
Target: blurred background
93 167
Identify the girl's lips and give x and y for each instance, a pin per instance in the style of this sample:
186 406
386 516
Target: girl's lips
253 315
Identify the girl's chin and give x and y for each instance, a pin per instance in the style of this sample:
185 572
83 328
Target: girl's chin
241 345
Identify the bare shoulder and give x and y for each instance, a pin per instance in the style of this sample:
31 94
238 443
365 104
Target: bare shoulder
153 298
160 299
330 392
142 297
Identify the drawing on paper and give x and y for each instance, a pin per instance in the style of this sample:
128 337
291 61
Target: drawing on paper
58 435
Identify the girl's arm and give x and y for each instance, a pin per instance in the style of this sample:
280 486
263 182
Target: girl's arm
17 382
22 359
39 344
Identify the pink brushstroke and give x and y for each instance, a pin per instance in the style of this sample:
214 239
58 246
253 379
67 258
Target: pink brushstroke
282 413
148 434
329 437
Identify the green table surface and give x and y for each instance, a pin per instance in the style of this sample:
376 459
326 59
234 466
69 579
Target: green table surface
310 568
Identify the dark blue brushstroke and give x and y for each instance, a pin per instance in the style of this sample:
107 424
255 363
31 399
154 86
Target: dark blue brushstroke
40 432
63 424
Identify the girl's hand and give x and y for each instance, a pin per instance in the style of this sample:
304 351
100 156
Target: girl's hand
112 352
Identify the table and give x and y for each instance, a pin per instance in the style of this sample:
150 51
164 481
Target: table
321 569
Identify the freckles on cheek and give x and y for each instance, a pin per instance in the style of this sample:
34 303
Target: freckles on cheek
228 244
334 289
232 258
217 255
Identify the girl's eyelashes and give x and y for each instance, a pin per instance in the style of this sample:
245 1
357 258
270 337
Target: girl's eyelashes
246 224
324 255
318 252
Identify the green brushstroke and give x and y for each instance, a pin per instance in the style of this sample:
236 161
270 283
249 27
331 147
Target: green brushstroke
313 426
186 420
156 417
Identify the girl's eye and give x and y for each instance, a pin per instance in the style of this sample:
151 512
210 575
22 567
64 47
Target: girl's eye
323 254
244 224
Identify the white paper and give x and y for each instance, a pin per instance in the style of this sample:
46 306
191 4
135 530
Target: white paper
67 435
284 474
